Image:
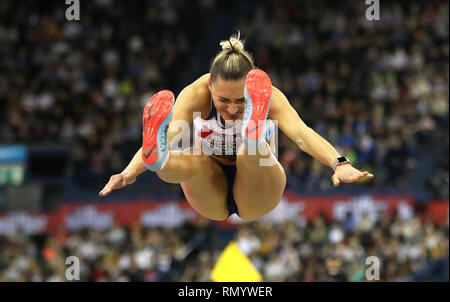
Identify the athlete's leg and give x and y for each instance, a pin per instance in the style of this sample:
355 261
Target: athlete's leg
260 179
259 184
202 179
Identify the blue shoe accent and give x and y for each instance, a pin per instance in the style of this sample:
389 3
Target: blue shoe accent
163 145
249 143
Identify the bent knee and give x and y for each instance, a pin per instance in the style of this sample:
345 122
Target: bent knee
249 218
250 210
213 213
219 217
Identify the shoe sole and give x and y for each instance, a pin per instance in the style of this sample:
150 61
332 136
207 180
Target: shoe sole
157 115
258 97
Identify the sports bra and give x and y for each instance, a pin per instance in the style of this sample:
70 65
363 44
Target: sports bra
220 139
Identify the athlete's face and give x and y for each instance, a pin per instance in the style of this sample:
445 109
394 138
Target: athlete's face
228 98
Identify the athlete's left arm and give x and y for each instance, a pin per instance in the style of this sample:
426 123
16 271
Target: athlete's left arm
290 123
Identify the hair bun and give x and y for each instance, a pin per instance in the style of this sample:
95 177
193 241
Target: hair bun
234 44
233 62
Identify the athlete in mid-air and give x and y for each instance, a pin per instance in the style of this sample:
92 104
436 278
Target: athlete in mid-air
223 172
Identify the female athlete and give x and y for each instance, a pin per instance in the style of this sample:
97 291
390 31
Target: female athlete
223 172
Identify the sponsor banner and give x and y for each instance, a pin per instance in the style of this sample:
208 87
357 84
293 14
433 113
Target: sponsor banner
103 216
12 164
437 211
13 154
21 222
99 216
335 208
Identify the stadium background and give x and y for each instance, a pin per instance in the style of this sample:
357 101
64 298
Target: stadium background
71 97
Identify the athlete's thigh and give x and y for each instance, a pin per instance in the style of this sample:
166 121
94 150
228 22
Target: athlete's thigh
257 192
207 190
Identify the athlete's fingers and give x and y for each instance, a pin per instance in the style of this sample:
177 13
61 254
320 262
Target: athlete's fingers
106 190
335 180
365 174
361 175
353 178
115 182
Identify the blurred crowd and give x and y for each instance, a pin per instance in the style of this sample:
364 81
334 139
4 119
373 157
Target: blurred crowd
407 250
84 83
320 251
376 90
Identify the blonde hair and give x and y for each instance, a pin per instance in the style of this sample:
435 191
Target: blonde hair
233 62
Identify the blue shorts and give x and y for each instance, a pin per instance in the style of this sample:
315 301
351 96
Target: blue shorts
230 173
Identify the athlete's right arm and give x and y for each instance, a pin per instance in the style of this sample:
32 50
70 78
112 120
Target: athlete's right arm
127 177
188 101
193 98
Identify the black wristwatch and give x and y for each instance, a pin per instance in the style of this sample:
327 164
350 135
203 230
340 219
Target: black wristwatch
340 161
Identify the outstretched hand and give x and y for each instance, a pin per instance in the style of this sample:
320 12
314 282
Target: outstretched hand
347 173
117 181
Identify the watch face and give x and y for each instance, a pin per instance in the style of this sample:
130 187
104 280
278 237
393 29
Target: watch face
342 160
